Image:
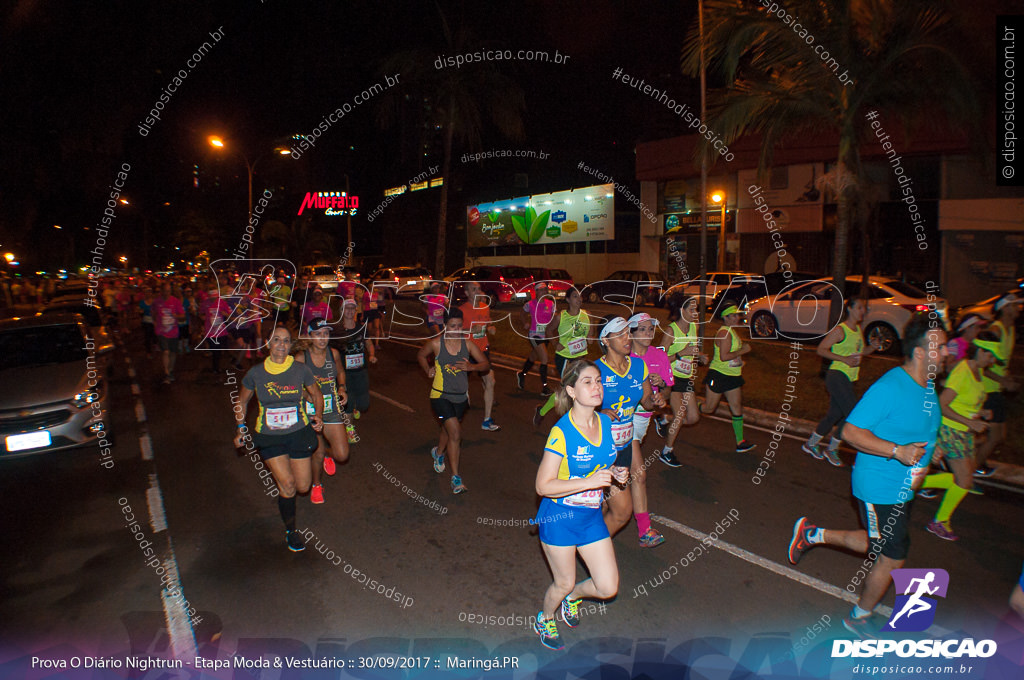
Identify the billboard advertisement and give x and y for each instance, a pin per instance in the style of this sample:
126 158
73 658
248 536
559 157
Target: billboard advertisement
584 214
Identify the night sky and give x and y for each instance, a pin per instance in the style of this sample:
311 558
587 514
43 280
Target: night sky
77 79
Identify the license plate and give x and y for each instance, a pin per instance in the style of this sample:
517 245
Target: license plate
30 440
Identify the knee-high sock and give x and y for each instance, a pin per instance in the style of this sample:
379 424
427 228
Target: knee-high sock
287 508
527 365
952 498
643 522
548 405
543 374
940 480
737 428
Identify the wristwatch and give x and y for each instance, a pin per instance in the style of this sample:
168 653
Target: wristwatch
893 452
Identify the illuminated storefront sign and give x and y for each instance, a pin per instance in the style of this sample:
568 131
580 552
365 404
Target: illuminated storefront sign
332 202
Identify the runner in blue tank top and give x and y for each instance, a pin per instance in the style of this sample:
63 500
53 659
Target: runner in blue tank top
576 468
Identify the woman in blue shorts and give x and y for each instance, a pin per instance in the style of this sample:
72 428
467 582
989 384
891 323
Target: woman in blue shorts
575 470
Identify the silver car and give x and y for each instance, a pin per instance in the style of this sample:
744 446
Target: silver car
55 374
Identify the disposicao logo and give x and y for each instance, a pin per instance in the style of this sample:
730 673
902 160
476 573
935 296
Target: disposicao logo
915 612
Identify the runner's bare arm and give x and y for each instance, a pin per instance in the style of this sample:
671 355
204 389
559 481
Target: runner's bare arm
430 348
866 442
341 379
825 346
480 361
244 395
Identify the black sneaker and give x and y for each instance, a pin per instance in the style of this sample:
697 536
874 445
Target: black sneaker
521 380
659 426
295 542
537 417
985 470
668 458
745 445
545 391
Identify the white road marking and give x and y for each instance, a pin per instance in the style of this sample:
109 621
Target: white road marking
782 570
140 412
131 371
146 445
135 389
392 401
155 501
179 627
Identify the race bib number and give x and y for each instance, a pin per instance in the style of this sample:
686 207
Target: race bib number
282 418
577 346
684 366
736 363
585 499
622 433
328 401
166 319
353 361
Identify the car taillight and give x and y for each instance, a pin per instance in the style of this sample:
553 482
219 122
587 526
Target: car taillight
501 278
915 307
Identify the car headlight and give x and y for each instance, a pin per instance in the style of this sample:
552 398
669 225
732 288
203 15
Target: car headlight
86 397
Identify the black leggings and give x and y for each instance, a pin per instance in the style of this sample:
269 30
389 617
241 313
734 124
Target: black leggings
841 401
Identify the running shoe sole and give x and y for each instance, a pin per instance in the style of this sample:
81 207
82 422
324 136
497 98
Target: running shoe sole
796 550
316 495
745 446
814 451
862 628
833 458
438 460
458 487
491 427
938 529
669 459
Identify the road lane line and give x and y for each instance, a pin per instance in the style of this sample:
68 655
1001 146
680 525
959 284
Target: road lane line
146 445
155 501
392 401
172 595
780 569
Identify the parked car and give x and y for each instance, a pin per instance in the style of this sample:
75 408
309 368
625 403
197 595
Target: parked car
717 282
626 285
502 283
804 310
559 281
407 280
743 288
95 318
324 275
60 400
983 308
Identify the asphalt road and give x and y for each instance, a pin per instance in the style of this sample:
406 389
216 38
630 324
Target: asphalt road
73 577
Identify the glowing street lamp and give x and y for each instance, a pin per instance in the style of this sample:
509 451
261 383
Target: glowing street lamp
9 257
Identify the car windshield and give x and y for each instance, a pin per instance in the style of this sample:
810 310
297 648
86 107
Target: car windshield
324 270
517 273
41 345
906 289
558 274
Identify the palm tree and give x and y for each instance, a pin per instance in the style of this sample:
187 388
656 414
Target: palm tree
898 59
460 99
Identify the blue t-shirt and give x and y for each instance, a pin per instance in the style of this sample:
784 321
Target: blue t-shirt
899 410
581 457
622 394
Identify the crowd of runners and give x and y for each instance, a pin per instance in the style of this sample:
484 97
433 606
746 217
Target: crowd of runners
306 363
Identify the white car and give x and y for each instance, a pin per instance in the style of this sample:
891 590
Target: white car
802 310
324 275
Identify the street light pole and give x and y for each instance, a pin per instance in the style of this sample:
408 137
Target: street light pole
703 174
719 197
